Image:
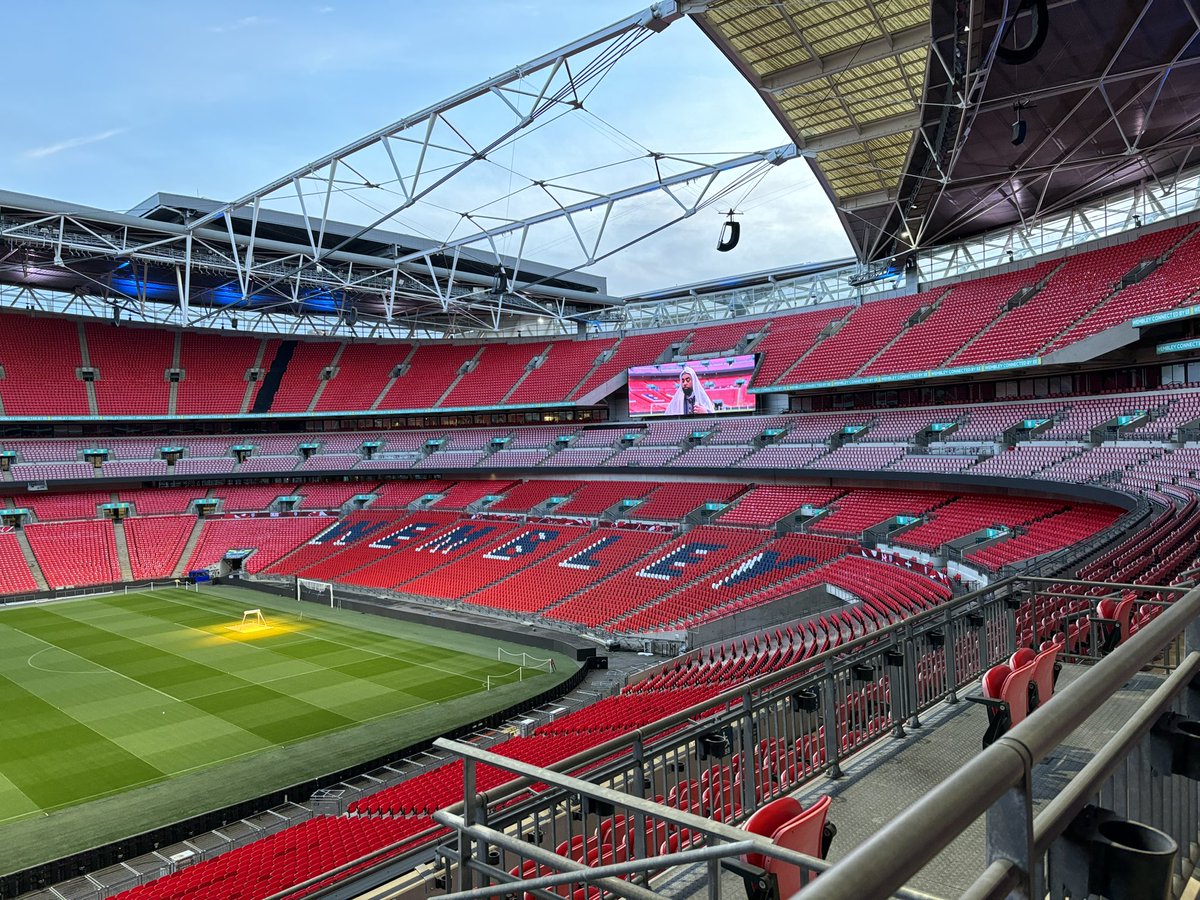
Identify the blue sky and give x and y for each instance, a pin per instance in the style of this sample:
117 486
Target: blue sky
115 101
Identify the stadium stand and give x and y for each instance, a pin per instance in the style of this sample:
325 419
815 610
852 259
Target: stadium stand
156 543
75 554
133 366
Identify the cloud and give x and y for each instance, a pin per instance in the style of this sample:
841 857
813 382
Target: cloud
72 143
247 22
325 9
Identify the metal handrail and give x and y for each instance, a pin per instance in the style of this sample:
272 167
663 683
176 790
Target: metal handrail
882 864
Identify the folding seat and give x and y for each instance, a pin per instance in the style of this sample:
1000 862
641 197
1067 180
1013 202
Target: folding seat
792 827
1006 696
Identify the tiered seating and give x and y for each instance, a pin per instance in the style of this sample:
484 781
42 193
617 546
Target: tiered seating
251 496
1024 460
217 466
214 372
596 496
1077 420
473 438
1168 286
451 459
588 561
138 468
1099 463
960 316
903 424
161 501
398 494
674 500
817 429
864 334
642 456
133 364
789 337
988 423
359 529
524 497
537 437
363 371
860 509
286 858
966 515
15 577
709 457
781 456
1180 409
59 507
932 463
75 554
432 369
767 504
428 551
514 459
494 375
303 375
1081 283
38 383
257 463
329 496
767 574
464 493
859 456
270 538
587 457
329 462
51 471
599 437
156 543
564 368
685 559
1061 530
640 349
515 551
744 431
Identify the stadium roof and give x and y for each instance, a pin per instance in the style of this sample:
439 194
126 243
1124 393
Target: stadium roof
907 108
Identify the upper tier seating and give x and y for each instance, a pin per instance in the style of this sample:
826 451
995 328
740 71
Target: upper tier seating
57 507
494 375
363 371
303 375
37 382
789 337
214 372
864 334
561 372
133 367
432 368
641 349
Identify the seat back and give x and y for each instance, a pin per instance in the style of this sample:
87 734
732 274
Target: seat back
1020 658
803 834
1043 672
993 680
769 819
1015 691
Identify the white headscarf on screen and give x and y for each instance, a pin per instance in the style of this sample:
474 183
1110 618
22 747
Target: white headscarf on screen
701 404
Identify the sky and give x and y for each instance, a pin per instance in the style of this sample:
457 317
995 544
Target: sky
116 101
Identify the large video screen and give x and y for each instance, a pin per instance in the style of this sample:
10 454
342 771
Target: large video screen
697 387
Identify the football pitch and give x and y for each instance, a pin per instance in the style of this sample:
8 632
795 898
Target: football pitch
108 696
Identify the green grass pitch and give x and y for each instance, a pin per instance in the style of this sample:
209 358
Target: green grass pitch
112 696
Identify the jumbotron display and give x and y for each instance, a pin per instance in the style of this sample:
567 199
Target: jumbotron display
694 387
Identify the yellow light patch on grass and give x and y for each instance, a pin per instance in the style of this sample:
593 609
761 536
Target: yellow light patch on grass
254 631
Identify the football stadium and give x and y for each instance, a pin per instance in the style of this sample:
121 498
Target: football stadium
363 535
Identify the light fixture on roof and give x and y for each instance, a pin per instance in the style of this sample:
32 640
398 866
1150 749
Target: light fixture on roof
1020 128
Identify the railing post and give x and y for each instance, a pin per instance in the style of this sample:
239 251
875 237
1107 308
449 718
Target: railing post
950 654
829 713
1009 829
901 683
749 763
466 875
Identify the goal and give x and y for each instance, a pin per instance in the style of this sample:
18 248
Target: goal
315 591
252 617
525 661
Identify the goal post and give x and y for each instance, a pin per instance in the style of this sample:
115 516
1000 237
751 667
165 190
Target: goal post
525 660
314 591
252 617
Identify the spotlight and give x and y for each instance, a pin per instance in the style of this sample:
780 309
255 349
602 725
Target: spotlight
1020 129
233 324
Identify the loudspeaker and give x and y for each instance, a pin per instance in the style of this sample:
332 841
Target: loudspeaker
1019 130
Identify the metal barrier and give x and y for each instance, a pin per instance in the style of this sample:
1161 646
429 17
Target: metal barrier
666 794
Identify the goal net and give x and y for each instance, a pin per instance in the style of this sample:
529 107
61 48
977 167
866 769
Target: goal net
524 660
314 591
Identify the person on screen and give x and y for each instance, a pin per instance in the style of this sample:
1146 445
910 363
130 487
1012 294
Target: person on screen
690 399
